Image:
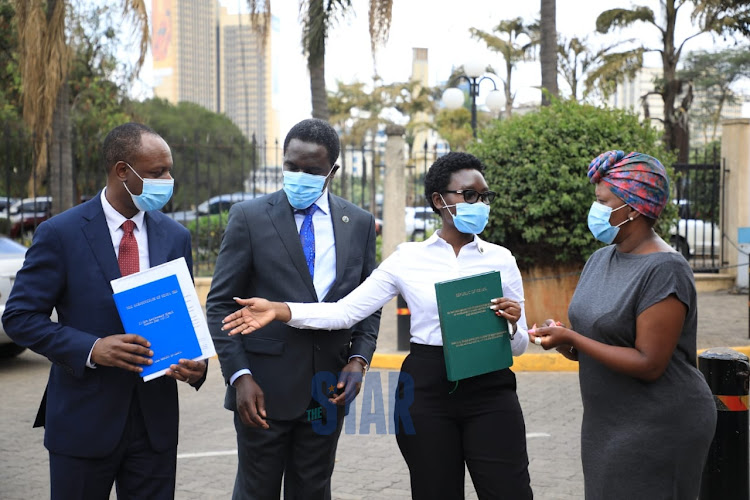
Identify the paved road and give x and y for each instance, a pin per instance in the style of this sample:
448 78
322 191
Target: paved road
369 465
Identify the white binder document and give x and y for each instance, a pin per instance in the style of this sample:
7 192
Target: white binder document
161 304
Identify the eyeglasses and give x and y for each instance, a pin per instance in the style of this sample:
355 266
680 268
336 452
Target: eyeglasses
472 196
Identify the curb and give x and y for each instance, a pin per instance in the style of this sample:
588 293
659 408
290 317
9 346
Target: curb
548 362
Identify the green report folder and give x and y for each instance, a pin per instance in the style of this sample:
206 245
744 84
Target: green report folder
475 340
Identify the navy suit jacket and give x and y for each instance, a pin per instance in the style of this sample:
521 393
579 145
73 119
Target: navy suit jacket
69 267
261 256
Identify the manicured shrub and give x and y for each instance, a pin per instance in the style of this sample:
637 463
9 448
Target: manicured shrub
537 163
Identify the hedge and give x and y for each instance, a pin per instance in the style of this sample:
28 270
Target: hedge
537 164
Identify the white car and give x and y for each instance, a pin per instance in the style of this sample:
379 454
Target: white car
695 237
11 260
420 221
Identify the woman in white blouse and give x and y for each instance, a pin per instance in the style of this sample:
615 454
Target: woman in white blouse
477 422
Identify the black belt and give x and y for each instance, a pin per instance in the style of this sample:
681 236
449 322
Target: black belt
427 351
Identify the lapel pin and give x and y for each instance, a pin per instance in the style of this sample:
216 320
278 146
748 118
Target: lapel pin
345 218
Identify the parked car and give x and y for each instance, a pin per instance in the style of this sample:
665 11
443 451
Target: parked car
695 237
420 221
214 205
6 202
11 260
26 214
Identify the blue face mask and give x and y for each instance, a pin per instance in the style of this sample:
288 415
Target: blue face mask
599 222
470 218
155 194
303 189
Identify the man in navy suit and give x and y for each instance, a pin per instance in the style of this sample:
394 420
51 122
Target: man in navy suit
103 424
270 374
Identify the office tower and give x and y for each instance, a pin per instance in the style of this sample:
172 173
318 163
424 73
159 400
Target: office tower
205 55
183 44
245 76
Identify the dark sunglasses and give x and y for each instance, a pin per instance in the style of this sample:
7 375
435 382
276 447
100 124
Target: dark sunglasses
472 196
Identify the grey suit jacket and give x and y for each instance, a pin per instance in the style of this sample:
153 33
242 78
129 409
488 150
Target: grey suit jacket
261 256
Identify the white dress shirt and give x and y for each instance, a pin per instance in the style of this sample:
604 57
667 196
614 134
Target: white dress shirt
412 271
114 222
325 246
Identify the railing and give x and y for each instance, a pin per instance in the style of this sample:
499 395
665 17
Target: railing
697 188
209 177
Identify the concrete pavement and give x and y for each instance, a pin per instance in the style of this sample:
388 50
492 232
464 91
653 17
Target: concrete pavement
722 322
368 465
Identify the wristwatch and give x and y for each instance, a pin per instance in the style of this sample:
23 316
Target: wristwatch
363 362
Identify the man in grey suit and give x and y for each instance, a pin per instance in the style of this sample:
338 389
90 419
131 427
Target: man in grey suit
298 244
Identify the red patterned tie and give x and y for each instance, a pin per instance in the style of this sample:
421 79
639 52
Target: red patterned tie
128 257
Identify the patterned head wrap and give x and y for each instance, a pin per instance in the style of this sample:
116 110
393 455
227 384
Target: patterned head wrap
638 179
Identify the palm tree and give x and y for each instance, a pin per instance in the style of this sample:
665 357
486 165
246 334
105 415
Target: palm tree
548 51
511 48
596 71
716 16
45 62
318 16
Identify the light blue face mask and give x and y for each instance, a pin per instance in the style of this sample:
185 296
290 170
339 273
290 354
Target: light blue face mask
470 218
599 225
303 189
155 194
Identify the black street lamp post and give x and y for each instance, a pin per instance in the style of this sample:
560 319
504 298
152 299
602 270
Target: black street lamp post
473 74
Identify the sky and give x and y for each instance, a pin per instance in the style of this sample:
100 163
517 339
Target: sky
441 26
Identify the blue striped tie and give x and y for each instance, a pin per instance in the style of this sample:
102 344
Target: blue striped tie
307 237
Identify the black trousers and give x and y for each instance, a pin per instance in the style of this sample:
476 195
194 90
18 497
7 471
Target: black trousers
136 469
303 453
478 423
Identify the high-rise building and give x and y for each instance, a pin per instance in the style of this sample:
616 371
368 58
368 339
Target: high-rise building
205 55
183 44
245 77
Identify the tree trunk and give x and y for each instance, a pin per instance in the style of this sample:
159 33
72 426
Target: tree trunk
548 51
61 177
507 88
676 133
316 64
318 90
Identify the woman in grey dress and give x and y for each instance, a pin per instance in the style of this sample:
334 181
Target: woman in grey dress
648 414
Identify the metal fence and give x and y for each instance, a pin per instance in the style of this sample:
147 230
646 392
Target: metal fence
209 178
699 197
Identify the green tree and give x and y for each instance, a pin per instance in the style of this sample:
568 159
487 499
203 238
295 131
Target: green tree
596 72
96 97
210 154
45 64
318 17
717 16
10 81
537 163
713 74
514 41
454 125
